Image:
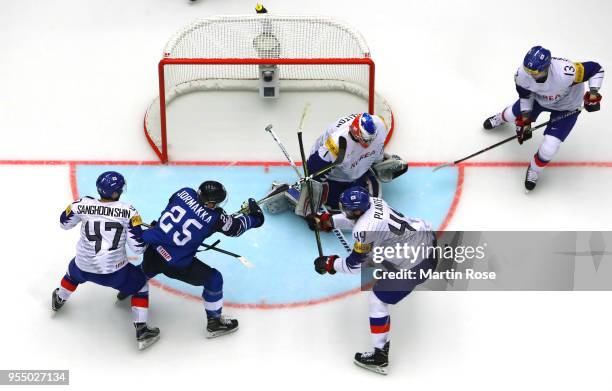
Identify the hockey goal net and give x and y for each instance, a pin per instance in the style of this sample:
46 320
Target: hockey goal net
232 53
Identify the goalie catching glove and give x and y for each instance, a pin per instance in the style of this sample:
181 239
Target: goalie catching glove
389 168
325 264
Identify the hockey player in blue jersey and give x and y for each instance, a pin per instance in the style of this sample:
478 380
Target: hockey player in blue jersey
189 218
552 84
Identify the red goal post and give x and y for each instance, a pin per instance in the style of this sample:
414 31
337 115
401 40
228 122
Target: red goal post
221 53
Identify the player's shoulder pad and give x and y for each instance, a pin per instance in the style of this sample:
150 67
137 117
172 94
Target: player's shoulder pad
70 207
186 189
571 71
522 79
345 120
331 144
135 218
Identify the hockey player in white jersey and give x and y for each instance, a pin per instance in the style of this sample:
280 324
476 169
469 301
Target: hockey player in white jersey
556 85
376 226
365 162
107 225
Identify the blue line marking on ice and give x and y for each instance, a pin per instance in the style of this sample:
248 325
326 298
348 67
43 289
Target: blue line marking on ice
282 250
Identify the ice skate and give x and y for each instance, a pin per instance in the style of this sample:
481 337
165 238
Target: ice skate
531 179
217 327
146 336
122 296
493 121
376 361
56 302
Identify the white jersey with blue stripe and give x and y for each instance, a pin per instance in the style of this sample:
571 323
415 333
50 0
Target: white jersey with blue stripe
106 228
381 227
358 159
562 90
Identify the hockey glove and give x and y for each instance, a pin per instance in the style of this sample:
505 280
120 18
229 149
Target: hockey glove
322 221
523 127
390 168
251 208
325 264
591 101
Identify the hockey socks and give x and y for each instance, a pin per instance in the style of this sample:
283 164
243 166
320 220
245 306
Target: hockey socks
140 305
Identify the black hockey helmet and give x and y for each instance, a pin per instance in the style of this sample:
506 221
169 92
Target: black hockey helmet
211 191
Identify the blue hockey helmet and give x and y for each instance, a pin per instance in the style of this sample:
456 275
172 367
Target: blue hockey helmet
354 199
363 129
537 61
109 183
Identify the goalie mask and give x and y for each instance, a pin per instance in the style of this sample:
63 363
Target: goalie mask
363 129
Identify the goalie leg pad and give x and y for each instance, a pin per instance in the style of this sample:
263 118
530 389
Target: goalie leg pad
277 203
319 197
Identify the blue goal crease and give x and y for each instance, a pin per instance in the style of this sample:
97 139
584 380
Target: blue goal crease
282 250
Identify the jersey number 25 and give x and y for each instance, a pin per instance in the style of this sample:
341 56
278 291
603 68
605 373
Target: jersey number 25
175 215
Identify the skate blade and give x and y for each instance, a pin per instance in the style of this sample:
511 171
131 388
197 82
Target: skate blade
215 334
142 345
373 368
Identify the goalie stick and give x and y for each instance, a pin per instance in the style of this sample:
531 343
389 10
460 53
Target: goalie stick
309 185
280 144
449 164
338 161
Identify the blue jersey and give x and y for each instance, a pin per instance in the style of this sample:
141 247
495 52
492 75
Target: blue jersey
185 224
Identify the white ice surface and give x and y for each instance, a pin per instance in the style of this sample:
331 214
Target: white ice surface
76 79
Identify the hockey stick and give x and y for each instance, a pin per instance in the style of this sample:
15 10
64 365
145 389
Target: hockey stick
213 247
338 161
282 147
309 185
449 164
280 144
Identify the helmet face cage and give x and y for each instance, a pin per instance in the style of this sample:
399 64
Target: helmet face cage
353 200
537 62
350 214
363 129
